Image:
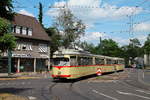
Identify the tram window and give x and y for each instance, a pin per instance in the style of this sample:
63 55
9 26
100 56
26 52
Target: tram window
99 61
84 61
114 62
89 61
109 61
73 61
120 62
61 61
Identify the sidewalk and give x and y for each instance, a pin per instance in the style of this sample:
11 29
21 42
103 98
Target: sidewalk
146 76
24 75
136 79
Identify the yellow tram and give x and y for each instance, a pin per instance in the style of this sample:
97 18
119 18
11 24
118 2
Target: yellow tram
72 64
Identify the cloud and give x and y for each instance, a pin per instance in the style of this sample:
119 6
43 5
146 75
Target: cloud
24 12
121 41
142 27
90 11
93 36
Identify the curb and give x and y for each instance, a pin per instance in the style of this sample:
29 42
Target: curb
8 96
19 78
140 79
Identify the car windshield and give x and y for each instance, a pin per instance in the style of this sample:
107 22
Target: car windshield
61 61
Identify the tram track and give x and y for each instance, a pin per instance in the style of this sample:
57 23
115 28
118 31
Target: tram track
53 97
71 88
68 87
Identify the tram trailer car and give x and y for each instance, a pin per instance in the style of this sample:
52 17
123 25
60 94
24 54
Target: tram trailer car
72 64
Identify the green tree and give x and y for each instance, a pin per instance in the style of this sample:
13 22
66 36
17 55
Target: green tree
7 40
6 9
55 39
146 46
40 16
86 46
108 47
4 26
69 27
132 50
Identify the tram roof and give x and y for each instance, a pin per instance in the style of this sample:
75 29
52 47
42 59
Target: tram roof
84 53
73 52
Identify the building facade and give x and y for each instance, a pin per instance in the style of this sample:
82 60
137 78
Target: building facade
32 51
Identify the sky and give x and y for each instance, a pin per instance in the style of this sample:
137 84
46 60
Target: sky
120 20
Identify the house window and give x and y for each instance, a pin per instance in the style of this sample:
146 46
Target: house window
18 46
18 29
43 48
24 31
29 46
30 32
24 46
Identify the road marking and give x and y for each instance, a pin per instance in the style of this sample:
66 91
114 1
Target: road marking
125 93
105 95
31 97
143 75
23 83
146 92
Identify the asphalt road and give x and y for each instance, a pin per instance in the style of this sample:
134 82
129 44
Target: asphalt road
45 89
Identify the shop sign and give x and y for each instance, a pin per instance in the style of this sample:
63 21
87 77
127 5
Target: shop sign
21 55
44 56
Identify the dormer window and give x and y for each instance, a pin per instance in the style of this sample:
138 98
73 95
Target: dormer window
24 31
30 32
18 29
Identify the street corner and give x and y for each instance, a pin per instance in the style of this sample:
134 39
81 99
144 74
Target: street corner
7 96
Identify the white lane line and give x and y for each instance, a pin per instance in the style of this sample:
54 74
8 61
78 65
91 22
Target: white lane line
31 97
105 95
132 94
146 92
143 75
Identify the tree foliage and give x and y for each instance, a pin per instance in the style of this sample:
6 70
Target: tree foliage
108 47
69 27
7 40
40 16
146 46
4 26
6 9
55 39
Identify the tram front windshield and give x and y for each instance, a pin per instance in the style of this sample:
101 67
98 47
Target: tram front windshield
61 61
